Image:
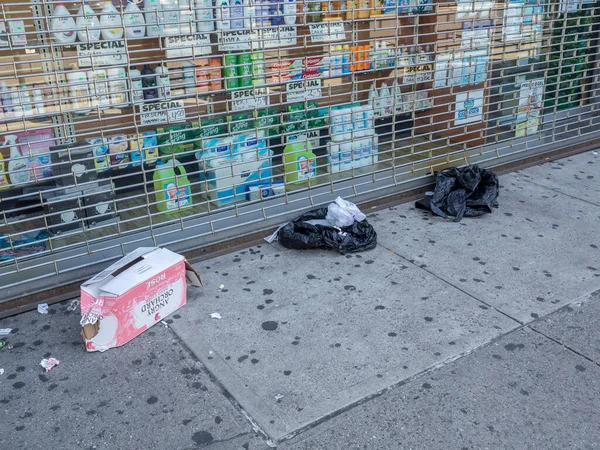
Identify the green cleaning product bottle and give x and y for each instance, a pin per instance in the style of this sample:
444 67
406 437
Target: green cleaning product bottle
299 162
171 187
3 179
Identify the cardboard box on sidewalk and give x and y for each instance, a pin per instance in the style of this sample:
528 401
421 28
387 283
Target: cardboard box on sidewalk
133 294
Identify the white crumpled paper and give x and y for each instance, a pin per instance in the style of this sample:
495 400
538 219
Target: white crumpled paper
49 363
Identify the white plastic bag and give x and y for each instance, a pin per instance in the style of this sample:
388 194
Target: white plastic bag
342 213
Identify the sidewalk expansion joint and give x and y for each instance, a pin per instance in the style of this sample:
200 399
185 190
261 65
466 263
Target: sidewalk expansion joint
562 344
558 191
225 392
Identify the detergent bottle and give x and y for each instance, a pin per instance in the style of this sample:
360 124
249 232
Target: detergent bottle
171 186
3 179
18 169
299 162
63 25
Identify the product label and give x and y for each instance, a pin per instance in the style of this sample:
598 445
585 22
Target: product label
184 46
162 112
274 37
103 53
177 197
304 90
327 32
469 107
238 40
249 99
530 107
306 168
156 302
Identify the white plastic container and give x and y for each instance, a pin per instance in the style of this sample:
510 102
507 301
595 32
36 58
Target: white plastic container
357 145
369 116
379 106
289 12
18 170
347 119
334 156
38 100
6 99
15 100
187 25
135 25
137 90
99 88
151 16
117 85
204 16
367 150
358 118
110 22
337 122
17 32
79 91
163 82
223 15
88 24
345 156
237 14
189 77
387 100
26 100
62 25
375 148
169 17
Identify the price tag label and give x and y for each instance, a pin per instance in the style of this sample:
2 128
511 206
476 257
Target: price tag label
304 90
162 112
238 40
327 32
249 99
420 73
274 37
104 53
184 46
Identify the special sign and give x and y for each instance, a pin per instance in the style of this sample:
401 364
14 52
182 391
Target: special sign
184 46
249 99
274 37
238 40
309 89
104 53
420 73
162 112
327 32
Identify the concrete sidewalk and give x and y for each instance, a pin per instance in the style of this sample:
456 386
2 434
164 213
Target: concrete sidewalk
447 335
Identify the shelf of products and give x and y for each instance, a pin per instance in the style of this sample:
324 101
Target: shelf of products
120 116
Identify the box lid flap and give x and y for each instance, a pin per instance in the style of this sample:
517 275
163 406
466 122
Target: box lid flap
140 269
120 263
192 277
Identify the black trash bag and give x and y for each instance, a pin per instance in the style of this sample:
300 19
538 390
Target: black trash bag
463 192
300 235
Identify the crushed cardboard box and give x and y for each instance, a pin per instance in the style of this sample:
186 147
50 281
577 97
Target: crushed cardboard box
133 294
